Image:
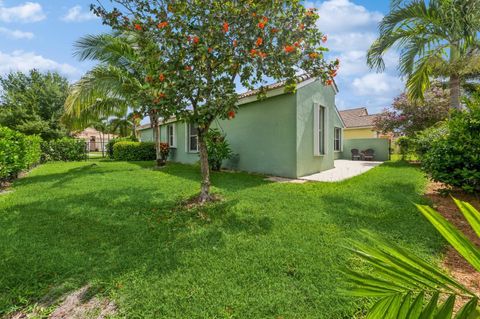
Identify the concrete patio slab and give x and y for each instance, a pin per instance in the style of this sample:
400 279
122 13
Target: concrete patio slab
344 169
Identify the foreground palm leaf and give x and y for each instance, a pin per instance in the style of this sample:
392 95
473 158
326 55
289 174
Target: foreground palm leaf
410 287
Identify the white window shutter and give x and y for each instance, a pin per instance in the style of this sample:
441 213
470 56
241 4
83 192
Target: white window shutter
326 133
316 140
174 129
187 133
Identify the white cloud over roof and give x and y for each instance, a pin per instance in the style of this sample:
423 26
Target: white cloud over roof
76 14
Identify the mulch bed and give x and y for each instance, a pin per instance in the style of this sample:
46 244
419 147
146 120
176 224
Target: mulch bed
444 204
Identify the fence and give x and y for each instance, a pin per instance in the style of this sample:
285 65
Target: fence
381 147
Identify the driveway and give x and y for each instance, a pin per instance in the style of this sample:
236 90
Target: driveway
344 169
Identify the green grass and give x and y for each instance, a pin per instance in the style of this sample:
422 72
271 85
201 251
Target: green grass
268 250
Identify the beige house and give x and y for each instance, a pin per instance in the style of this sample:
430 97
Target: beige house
96 140
359 124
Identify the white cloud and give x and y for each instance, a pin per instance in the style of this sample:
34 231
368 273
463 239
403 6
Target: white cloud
377 84
16 34
25 61
351 29
75 14
27 12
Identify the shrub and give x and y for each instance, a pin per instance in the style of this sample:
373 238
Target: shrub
134 151
64 149
17 152
423 140
109 146
218 149
454 158
405 146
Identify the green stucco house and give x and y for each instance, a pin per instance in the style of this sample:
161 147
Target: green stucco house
288 135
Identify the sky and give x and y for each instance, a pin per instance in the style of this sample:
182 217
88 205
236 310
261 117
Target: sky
41 33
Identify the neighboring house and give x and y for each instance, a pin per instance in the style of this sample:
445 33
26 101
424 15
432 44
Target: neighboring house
286 134
95 140
359 124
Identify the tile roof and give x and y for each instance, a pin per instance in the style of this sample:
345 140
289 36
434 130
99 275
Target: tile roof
357 117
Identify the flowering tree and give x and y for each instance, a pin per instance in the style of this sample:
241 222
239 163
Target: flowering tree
406 117
211 46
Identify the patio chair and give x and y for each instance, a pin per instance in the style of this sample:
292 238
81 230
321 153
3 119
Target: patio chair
356 154
369 155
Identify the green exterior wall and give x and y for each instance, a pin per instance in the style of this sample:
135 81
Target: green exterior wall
273 136
381 146
307 96
262 137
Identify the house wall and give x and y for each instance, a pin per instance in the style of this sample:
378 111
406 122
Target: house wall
381 146
262 137
307 96
359 133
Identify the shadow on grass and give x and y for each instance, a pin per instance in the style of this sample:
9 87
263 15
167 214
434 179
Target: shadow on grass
59 244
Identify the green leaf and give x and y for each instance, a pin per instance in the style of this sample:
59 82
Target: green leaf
416 308
407 302
471 214
446 310
379 310
431 307
467 309
458 240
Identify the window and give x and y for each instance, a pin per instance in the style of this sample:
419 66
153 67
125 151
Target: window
320 130
192 138
172 136
337 142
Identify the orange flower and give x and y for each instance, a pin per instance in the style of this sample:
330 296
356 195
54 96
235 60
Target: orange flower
301 26
231 115
188 68
161 77
310 12
263 55
261 25
235 43
189 38
162 25
329 82
324 38
289 48
138 27
259 42
297 44
274 30
161 95
196 40
333 73
253 52
265 19
210 50
254 14
313 55
225 27
148 78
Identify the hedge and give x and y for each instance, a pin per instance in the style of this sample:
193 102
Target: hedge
109 146
17 152
64 149
134 151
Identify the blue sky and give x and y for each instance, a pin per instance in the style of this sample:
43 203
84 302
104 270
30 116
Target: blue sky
41 33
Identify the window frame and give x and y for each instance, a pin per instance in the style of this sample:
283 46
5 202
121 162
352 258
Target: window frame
189 139
320 130
172 135
339 139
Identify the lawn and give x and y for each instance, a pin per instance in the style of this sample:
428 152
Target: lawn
269 250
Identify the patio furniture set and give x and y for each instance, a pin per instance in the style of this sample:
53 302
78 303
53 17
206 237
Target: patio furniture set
366 155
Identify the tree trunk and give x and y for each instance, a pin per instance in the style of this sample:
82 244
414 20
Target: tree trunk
205 169
455 91
102 143
157 137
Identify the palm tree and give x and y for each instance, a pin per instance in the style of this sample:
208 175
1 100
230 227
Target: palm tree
409 287
117 84
123 126
436 38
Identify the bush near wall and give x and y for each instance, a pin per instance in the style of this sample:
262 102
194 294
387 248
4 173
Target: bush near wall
109 146
17 152
64 149
454 158
134 151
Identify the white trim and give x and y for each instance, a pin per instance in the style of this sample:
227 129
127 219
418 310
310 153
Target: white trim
316 148
316 130
188 150
174 135
359 127
335 128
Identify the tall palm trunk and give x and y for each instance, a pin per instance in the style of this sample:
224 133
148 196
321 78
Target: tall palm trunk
454 91
205 169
